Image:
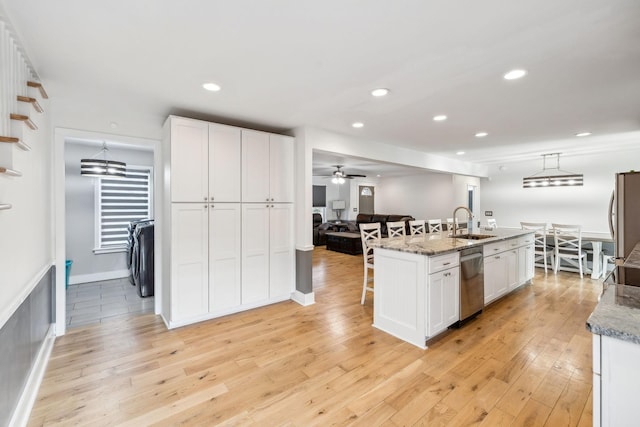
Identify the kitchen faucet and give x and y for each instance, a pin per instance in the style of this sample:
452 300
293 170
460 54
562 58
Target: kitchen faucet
454 218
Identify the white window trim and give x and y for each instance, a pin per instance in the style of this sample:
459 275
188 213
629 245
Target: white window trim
98 213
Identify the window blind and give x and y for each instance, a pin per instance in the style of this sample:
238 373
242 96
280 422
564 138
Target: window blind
120 201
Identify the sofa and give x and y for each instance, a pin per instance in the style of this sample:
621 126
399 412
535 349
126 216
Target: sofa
383 219
319 231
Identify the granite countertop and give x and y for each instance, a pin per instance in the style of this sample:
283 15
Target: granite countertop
440 243
617 314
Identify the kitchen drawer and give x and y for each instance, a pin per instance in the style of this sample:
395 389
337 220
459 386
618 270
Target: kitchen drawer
495 248
526 240
442 262
514 243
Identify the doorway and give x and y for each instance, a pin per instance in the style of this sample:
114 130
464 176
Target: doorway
366 197
62 222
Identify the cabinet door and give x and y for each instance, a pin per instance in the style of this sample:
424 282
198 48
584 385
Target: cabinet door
189 160
224 256
435 303
511 265
255 166
495 277
451 292
443 300
189 260
529 260
281 254
255 252
281 168
224 163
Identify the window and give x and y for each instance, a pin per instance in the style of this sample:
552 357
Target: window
120 201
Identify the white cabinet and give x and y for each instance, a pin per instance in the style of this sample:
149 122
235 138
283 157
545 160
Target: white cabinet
495 277
267 252
205 161
507 265
189 261
189 160
512 269
267 167
443 300
616 382
224 256
224 163
525 263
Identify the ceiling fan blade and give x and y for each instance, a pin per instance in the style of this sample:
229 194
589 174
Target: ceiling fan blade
355 175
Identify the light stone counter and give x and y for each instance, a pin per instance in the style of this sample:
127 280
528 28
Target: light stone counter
440 243
617 314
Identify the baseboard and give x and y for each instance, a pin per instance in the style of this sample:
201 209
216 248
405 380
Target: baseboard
27 399
95 277
303 299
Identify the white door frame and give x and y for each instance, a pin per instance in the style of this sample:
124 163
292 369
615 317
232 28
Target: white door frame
59 209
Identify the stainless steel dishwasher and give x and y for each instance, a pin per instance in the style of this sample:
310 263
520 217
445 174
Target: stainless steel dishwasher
471 282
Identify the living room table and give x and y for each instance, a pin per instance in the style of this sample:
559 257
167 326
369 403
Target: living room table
345 242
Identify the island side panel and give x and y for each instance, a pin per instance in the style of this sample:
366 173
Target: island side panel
399 295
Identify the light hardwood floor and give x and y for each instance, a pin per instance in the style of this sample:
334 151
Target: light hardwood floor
525 361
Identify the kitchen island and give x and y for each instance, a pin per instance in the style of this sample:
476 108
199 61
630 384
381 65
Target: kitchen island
615 324
417 278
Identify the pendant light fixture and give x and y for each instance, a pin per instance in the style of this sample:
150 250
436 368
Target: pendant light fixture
552 177
101 168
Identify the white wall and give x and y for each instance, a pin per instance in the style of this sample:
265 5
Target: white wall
587 205
80 213
425 196
26 230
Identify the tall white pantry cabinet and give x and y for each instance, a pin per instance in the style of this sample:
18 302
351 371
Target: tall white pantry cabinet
228 196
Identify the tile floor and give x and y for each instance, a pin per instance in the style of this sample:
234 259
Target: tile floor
99 302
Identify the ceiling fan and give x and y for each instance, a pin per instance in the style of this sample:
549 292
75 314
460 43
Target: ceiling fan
338 176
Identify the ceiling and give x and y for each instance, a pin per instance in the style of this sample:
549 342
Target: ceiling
121 67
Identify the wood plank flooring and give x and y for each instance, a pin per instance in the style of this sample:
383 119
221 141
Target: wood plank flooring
525 361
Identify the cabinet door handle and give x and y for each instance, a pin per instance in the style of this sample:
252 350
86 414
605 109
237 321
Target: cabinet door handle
497 256
272 200
212 206
267 205
446 263
205 199
267 199
205 206
447 274
496 249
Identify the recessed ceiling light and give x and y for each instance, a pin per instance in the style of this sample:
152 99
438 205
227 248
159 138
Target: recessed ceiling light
380 92
113 125
583 134
481 134
460 153
440 118
515 74
211 87
357 125
378 176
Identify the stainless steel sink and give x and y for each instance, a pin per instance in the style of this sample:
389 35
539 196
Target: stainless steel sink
472 236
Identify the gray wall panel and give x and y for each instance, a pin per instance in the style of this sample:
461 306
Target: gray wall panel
304 261
20 340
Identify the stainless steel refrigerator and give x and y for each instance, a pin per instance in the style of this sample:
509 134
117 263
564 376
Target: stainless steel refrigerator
624 214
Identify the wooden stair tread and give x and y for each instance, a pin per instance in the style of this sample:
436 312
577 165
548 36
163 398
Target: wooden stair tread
12 140
27 121
11 172
40 88
33 102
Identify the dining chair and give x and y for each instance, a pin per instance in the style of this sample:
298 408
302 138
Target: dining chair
417 227
450 224
541 251
435 225
368 233
396 228
568 246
